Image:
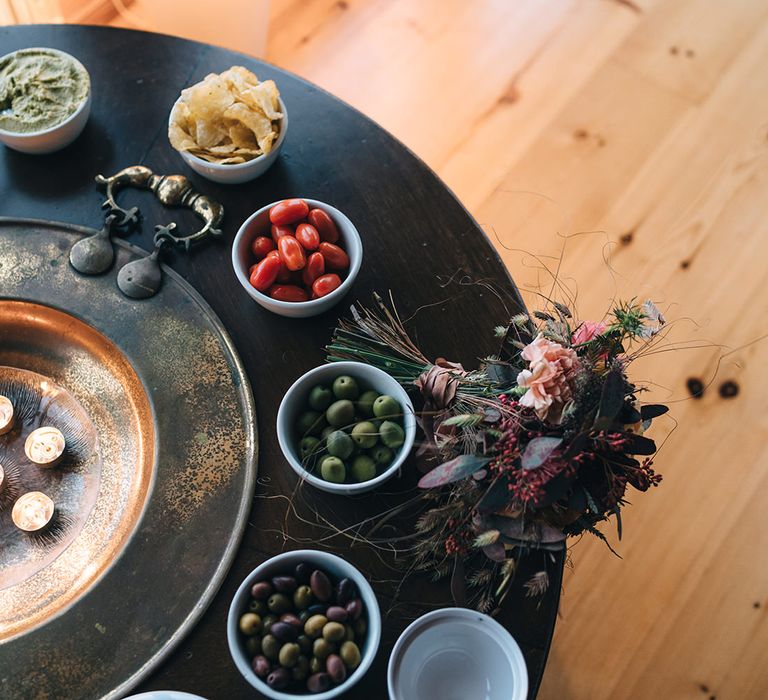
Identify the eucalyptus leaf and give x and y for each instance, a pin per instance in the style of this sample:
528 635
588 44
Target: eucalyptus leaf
453 470
538 451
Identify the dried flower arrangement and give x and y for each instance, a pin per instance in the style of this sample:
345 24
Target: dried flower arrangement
538 444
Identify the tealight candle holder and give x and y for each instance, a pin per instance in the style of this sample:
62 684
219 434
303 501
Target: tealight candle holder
33 512
45 446
6 415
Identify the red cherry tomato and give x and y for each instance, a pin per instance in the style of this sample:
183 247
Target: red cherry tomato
289 211
323 222
285 274
288 292
335 257
261 245
251 269
325 284
307 235
291 253
314 269
280 231
265 273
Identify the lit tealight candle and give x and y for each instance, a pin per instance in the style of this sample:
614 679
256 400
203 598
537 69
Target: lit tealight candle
6 415
32 512
45 446
2 478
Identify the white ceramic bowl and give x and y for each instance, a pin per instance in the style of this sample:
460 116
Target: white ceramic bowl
285 564
456 654
56 137
295 401
239 172
164 695
257 224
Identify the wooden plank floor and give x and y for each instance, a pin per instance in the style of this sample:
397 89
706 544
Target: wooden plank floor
633 135
644 122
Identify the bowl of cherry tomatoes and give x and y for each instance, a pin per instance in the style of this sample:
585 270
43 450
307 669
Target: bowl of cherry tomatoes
297 257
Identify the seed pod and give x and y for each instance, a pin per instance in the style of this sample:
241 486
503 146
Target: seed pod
318 682
321 586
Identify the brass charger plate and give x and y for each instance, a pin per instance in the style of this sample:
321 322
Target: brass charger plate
162 495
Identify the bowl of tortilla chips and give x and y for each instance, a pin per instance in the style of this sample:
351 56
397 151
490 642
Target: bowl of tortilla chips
230 126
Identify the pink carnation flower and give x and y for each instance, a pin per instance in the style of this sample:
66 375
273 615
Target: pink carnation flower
547 378
587 331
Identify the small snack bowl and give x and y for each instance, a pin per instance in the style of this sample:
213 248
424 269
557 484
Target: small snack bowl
59 135
455 653
258 224
238 173
296 401
294 575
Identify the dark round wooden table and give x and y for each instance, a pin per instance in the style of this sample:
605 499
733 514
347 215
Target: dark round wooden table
419 242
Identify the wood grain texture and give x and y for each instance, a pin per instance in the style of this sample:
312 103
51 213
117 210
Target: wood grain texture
645 123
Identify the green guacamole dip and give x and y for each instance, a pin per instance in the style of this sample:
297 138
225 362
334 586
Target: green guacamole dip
39 89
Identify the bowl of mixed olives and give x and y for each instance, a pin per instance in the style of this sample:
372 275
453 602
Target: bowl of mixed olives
304 623
346 427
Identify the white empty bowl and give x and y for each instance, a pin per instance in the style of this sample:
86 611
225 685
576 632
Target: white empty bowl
456 654
257 224
56 137
285 564
239 172
295 402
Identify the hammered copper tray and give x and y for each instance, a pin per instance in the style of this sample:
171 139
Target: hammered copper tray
163 503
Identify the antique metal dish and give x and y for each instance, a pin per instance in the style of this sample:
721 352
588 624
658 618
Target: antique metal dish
164 501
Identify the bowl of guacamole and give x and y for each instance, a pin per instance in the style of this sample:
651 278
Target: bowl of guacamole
45 98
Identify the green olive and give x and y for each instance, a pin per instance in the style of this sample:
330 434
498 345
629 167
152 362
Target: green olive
289 654
345 387
266 622
365 403
386 407
350 655
315 665
250 623
322 648
360 627
310 423
258 606
332 469
270 647
340 413
365 435
279 603
320 398
303 598
301 670
363 468
339 444
333 632
308 447
305 644
253 646
392 435
313 627
382 455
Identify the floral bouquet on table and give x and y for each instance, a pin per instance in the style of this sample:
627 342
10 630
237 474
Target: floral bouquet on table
538 444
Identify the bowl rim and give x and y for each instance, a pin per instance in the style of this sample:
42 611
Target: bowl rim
320 557
82 106
235 167
354 265
447 615
409 425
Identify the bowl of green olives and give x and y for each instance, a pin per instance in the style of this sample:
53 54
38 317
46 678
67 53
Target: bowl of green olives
304 623
346 427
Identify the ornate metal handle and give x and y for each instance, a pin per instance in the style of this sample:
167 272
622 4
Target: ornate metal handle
171 191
